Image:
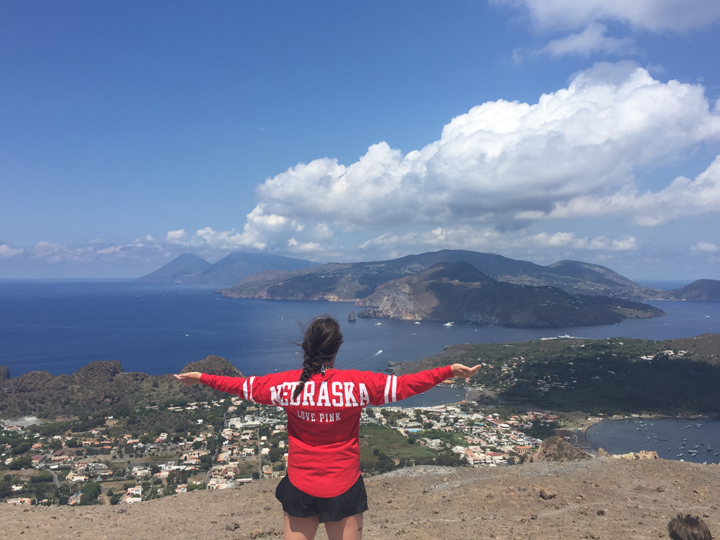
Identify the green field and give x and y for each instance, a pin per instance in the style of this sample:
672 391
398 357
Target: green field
390 442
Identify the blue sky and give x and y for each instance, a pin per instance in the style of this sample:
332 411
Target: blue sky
131 132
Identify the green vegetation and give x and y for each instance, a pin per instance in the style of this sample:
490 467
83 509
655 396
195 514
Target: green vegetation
91 490
393 444
608 376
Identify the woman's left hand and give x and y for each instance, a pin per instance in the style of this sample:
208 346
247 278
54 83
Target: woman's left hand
464 372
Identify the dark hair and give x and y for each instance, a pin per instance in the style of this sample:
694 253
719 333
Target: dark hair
688 528
322 342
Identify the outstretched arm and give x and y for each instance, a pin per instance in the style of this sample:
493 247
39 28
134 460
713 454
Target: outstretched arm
384 389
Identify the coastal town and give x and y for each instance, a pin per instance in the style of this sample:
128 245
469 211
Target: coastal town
104 465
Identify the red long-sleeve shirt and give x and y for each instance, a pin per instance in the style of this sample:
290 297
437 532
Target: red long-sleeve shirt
324 420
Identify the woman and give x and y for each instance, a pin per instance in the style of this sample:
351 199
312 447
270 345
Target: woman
323 405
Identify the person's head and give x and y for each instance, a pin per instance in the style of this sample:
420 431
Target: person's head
320 346
688 528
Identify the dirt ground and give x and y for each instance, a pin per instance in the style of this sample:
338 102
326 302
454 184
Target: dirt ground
600 498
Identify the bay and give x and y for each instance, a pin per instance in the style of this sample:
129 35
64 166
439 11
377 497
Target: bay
60 326
671 438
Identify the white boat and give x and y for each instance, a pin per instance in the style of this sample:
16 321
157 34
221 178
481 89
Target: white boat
448 324
378 324
416 322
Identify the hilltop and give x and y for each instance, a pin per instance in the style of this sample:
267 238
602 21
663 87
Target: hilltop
101 385
460 292
597 498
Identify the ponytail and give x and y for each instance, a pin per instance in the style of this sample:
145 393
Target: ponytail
321 344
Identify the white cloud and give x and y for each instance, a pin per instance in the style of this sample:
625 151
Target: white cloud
590 40
649 15
683 197
500 162
705 247
175 237
7 251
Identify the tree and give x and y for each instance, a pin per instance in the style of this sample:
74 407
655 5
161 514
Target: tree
55 444
276 454
91 490
23 462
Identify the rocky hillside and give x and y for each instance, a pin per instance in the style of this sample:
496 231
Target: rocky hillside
702 290
557 449
100 385
460 292
599 498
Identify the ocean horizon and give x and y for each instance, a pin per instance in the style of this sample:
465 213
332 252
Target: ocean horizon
60 326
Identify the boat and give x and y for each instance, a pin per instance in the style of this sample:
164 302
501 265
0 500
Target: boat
448 324
378 324
416 322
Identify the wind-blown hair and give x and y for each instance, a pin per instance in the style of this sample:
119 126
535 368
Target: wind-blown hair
688 528
322 342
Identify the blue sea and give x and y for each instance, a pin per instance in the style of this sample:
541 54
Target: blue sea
671 438
60 326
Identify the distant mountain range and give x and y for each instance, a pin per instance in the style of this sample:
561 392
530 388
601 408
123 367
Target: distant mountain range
354 281
460 292
191 269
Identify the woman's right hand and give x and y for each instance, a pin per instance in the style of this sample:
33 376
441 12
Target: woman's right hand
464 372
190 378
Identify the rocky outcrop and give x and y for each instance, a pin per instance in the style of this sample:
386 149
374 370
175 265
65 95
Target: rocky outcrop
100 371
557 449
102 385
642 454
4 373
213 365
352 317
34 381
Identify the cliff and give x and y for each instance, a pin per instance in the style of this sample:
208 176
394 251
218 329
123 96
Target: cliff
102 384
460 292
597 498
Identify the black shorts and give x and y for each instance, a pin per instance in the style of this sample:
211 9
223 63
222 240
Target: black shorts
297 503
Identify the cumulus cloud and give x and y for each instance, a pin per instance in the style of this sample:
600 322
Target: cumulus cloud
175 237
7 251
705 247
590 40
502 162
683 197
648 15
